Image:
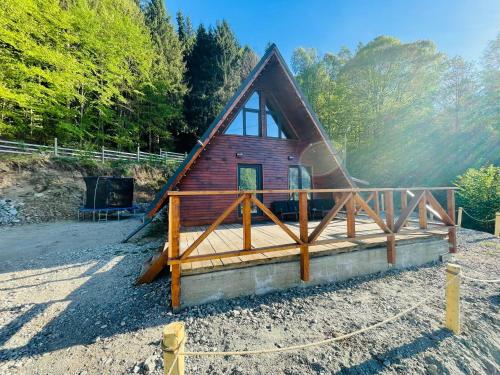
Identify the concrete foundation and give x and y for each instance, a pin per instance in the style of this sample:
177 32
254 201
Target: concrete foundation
261 279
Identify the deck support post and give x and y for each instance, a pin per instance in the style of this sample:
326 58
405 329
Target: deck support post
376 203
351 220
247 222
304 249
452 230
404 202
422 213
389 218
173 248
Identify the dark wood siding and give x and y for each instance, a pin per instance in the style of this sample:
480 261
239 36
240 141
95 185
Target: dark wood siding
216 169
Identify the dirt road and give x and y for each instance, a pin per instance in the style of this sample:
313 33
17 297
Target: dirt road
68 306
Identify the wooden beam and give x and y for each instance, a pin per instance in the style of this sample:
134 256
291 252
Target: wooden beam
437 207
391 249
452 239
173 249
389 209
214 225
372 214
376 203
404 201
422 212
351 220
406 212
312 191
304 248
276 221
235 253
247 222
450 203
389 219
341 201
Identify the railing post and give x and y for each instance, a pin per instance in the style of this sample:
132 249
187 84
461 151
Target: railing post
174 335
376 202
452 230
55 147
304 249
389 218
452 293
422 213
173 247
404 201
247 222
459 216
102 154
138 154
351 223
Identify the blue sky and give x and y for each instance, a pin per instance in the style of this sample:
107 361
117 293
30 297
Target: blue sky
458 27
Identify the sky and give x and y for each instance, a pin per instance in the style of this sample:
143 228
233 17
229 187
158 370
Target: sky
458 27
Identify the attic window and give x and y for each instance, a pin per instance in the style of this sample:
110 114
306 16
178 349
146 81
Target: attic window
274 125
247 120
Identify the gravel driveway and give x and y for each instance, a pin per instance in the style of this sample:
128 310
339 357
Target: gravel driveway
68 306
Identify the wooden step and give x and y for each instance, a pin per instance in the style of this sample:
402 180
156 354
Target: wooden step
152 268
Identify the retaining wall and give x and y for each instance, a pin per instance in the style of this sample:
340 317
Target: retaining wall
261 279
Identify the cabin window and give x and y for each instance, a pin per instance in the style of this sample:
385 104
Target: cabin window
247 121
274 125
299 177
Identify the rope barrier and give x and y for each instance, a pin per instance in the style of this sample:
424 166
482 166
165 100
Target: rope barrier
320 342
478 220
481 280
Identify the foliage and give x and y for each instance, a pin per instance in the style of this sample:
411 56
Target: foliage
215 66
479 195
88 71
409 114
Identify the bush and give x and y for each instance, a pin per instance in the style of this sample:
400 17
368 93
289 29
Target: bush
479 196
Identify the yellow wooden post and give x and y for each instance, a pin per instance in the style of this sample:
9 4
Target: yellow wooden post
173 342
459 219
497 224
452 319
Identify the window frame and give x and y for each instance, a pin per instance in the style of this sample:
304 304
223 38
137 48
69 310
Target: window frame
300 167
275 115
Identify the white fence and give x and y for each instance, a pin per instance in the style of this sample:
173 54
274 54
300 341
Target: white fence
11 147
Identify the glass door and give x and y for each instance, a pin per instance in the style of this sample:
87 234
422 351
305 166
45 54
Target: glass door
250 178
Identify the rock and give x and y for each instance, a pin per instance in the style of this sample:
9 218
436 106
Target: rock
151 364
432 369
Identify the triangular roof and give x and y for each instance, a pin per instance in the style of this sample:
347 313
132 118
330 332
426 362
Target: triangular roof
161 198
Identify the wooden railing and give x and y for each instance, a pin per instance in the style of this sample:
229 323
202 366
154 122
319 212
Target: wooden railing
351 200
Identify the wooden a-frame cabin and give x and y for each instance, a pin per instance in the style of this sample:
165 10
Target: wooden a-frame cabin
266 158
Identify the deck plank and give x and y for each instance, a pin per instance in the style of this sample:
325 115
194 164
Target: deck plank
229 237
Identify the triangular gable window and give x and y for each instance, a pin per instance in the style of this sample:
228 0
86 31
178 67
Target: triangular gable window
247 121
274 125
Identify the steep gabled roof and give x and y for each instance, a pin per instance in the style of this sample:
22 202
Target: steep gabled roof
161 198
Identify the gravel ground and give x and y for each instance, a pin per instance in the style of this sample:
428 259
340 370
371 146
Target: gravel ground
70 307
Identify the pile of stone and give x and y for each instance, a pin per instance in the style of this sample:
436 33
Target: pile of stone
9 212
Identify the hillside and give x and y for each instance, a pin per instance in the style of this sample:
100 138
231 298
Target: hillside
40 189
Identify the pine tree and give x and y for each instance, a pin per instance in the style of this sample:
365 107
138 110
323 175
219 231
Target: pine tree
163 98
186 34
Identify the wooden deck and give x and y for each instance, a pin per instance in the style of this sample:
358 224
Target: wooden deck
228 237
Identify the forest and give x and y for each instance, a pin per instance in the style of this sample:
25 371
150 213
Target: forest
125 73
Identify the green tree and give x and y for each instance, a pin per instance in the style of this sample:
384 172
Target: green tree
479 195
161 105
213 74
